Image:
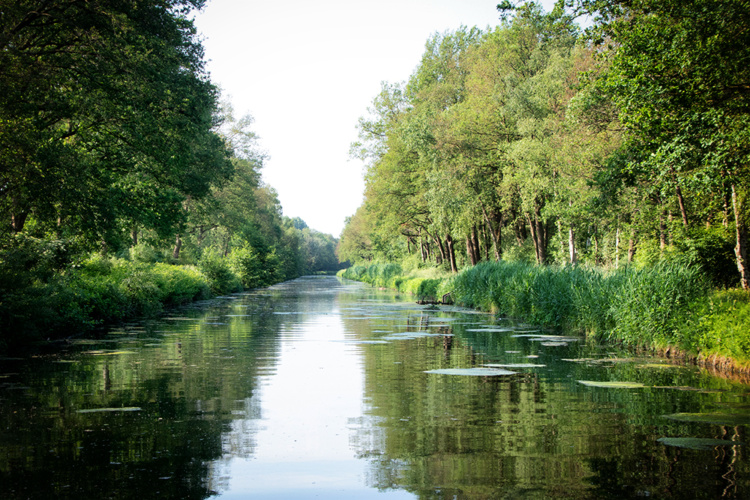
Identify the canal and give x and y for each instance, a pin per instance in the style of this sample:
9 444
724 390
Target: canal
325 388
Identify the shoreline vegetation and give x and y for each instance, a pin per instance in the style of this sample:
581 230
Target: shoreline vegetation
128 183
668 309
591 179
47 297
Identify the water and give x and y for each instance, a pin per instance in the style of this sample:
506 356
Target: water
319 388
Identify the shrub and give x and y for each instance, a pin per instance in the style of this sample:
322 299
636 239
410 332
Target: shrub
218 275
247 265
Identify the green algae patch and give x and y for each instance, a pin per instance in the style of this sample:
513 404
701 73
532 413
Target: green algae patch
110 410
696 443
712 418
473 372
612 385
514 365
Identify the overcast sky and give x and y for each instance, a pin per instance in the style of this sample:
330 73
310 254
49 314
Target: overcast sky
307 70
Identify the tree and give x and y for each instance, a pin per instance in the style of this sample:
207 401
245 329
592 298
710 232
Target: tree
679 76
106 116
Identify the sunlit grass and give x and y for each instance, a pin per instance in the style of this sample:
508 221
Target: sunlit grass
669 304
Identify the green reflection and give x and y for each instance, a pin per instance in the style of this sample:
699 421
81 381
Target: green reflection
160 410
538 433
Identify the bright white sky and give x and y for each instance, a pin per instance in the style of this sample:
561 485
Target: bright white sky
307 70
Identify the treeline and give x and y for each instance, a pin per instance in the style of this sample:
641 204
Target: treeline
538 141
118 162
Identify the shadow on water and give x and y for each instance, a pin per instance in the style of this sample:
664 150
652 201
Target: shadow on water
289 383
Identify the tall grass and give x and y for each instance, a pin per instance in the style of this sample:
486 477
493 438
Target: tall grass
423 283
636 306
718 326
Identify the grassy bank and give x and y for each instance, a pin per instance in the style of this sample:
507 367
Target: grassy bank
39 300
422 283
669 306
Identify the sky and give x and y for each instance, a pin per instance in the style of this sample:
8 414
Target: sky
307 70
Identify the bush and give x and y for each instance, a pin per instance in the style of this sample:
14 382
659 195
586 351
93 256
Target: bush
246 264
218 275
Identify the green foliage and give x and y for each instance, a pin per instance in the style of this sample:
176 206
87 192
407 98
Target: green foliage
247 265
718 326
218 274
712 249
634 305
425 284
107 117
99 290
650 305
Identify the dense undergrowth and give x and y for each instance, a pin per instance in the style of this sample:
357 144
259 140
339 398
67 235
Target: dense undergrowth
422 283
670 304
42 297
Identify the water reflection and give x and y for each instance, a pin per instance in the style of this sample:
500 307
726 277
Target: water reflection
318 388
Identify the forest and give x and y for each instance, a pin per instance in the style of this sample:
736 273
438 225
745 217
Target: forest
537 140
126 182
591 179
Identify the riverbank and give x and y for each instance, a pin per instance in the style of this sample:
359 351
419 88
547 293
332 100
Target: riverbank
668 309
39 305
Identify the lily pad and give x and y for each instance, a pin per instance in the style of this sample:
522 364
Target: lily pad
696 443
712 418
414 335
514 365
612 385
476 372
109 353
490 330
599 360
110 410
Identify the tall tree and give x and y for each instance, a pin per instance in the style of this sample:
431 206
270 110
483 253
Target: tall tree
106 116
680 77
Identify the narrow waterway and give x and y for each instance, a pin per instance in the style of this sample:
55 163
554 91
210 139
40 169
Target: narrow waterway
323 388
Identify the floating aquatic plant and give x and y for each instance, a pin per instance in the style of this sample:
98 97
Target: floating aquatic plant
514 365
109 410
712 418
476 372
696 443
613 384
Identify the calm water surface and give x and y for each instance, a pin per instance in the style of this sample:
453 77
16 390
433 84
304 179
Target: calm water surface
319 388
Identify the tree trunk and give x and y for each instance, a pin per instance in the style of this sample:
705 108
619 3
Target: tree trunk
739 202
485 240
596 246
177 247
475 245
495 226
662 230
470 251
617 248
538 235
201 235
451 252
572 246
681 202
134 236
519 230
727 202
441 256
631 246
17 221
